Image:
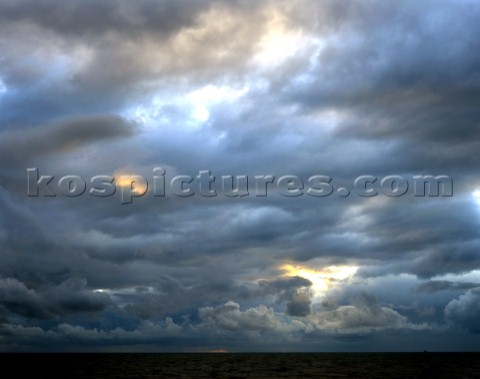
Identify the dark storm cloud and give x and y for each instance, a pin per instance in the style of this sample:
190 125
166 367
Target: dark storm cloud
299 303
18 299
433 286
400 62
73 296
417 239
294 291
412 80
70 296
284 284
94 18
38 279
23 147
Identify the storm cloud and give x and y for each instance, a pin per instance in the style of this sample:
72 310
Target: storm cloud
243 88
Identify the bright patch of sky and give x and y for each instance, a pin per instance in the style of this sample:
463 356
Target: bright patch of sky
3 87
190 110
476 196
279 43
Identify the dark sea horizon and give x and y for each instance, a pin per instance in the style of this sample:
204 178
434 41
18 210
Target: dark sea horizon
243 365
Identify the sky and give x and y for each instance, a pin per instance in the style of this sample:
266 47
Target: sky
149 91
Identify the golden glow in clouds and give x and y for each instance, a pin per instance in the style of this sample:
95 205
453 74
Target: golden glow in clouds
322 279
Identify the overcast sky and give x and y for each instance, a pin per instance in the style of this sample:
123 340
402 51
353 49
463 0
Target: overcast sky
304 88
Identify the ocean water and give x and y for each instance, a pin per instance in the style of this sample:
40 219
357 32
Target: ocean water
249 365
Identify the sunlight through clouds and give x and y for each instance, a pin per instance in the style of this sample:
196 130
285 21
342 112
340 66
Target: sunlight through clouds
278 43
322 279
476 196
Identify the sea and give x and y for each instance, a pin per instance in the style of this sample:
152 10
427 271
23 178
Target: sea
242 365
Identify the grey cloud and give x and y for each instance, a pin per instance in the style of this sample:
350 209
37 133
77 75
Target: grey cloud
464 311
402 85
433 286
136 50
294 291
417 232
66 335
43 303
173 295
282 284
260 320
365 315
458 259
79 19
22 147
392 43
299 303
15 297
73 296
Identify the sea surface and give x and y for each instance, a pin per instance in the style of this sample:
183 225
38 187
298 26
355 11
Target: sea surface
248 365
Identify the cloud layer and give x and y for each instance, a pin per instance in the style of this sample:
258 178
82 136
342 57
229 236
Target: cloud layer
239 88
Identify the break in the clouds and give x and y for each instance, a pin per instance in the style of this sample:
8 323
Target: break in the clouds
240 88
